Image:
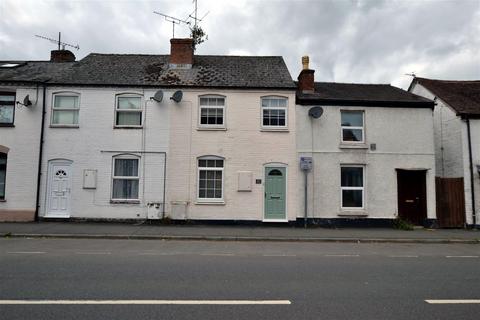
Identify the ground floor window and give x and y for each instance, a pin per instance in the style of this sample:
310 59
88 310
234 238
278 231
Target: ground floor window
352 187
210 179
125 178
3 174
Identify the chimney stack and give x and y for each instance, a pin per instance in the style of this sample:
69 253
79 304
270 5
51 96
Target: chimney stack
306 79
181 53
62 56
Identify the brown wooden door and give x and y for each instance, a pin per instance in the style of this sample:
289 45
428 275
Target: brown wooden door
412 196
450 202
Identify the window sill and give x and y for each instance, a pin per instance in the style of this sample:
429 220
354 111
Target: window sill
211 129
125 201
127 127
66 126
266 129
352 213
7 125
3 200
210 202
353 146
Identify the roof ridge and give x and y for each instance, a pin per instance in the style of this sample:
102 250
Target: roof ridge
355 83
448 80
163 55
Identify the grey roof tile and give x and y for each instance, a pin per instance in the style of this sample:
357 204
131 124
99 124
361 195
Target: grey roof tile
333 93
153 70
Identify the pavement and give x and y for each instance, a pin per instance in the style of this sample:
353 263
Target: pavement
113 230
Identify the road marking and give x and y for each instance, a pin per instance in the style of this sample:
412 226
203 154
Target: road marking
461 256
218 254
467 301
92 252
150 302
279 255
26 252
405 256
342 255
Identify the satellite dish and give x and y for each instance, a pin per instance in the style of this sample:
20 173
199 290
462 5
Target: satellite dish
177 96
158 96
26 101
315 112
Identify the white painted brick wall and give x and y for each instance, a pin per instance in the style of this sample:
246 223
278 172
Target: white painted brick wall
403 138
23 141
95 142
243 145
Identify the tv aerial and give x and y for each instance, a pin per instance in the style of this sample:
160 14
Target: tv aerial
173 20
194 12
192 16
59 42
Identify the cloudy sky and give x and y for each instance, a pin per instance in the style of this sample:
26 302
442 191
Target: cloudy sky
366 41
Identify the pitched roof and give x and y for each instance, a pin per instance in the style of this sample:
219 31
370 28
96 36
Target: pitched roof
33 71
153 70
462 96
344 94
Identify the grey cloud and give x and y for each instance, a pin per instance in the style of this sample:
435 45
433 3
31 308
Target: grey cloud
347 40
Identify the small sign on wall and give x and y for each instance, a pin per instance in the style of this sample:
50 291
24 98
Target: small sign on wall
89 179
306 163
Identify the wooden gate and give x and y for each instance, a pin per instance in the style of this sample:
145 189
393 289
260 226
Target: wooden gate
450 202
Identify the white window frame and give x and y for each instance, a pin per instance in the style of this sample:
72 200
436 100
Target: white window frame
137 177
117 110
77 109
8 104
269 127
222 169
200 107
362 188
351 127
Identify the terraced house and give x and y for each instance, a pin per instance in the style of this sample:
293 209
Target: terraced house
148 136
372 151
211 138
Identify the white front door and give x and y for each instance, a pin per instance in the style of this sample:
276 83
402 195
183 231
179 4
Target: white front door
59 189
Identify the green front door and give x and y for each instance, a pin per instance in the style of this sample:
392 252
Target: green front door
275 193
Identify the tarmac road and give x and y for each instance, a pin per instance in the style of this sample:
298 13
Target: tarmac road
112 279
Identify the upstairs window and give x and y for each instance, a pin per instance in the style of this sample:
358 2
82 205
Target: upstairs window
352 187
210 179
212 112
128 111
274 112
352 126
3 174
65 110
125 178
7 108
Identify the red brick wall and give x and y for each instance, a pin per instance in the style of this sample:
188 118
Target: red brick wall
181 51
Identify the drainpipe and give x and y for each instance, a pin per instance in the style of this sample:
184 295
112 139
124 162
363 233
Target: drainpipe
40 152
472 186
